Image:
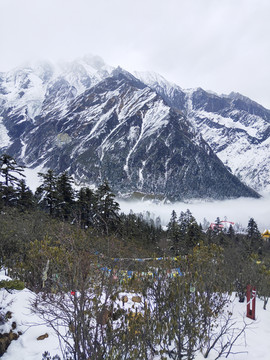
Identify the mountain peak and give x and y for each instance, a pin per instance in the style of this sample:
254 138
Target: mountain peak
138 130
247 100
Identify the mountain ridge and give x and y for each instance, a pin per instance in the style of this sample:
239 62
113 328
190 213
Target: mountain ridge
236 127
112 126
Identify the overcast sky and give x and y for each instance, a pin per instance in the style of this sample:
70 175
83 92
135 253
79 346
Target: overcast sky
219 45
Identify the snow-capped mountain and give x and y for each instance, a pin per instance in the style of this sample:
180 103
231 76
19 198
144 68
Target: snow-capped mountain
236 128
103 123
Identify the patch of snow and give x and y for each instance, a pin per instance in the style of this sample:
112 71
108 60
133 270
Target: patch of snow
141 179
131 103
229 123
133 133
24 146
154 79
27 347
31 176
4 138
154 118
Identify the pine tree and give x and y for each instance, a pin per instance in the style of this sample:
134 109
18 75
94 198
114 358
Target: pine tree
65 195
158 223
231 232
47 192
107 208
86 206
173 230
254 235
187 225
206 224
252 229
8 196
185 219
10 172
194 234
25 197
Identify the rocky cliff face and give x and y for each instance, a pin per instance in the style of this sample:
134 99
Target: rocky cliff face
102 123
236 128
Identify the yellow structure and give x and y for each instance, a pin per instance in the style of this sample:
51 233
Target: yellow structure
266 234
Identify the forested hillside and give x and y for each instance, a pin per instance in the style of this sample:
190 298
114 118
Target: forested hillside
80 257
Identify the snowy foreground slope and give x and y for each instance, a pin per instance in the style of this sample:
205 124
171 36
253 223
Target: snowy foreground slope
254 345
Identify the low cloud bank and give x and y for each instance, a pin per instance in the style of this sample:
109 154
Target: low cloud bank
237 210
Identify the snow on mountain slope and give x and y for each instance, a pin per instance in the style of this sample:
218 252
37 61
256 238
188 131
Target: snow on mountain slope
170 92
31 87
238 131
154 79
235 127
4 138
103 123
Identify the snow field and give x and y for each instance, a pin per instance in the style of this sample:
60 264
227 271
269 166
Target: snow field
254 344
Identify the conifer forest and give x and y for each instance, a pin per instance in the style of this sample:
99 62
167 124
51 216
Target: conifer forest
82 258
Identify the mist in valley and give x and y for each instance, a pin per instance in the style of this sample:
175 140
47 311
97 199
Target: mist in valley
238 211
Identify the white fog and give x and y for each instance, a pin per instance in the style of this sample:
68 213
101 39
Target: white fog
237 210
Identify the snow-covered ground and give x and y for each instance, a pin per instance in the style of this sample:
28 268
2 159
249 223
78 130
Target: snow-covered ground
254 345
27 347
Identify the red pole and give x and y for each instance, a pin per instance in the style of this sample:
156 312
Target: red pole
253 293
251 302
